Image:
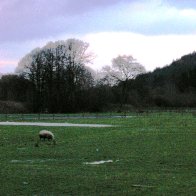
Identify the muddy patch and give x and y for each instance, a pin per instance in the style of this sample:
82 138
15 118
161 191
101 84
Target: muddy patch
98 162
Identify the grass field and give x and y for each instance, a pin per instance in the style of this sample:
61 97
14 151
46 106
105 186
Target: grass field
150 154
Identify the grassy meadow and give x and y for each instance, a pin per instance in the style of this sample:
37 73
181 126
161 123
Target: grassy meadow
150 154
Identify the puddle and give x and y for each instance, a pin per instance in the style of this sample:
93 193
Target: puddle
52 124
25 183
34 161
21 161
98 162
64 160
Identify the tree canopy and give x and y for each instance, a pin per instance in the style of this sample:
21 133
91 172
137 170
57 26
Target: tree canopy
58 72
123 68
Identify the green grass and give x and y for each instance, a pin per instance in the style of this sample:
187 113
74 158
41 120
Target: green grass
152 155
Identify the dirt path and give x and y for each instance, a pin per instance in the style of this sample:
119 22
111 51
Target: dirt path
52 124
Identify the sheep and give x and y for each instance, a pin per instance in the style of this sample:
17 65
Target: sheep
44 134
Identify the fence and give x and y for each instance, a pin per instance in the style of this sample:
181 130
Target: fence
29 117
39 116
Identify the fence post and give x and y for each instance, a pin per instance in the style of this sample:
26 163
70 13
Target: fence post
22 116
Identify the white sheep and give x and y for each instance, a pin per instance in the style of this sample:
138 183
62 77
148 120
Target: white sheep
44 134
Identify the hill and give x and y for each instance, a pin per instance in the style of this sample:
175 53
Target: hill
173 85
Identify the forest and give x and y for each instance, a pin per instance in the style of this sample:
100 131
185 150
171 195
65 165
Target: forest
55 79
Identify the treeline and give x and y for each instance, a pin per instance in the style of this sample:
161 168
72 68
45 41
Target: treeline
171 86
68 88
18 94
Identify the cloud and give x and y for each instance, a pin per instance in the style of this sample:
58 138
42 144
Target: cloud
151 51
148 18
22 20
190 4
78 6
145 17
7 66
5 63
29 24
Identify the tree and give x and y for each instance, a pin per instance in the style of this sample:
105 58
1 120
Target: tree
123 69
14 93
14 88
58 72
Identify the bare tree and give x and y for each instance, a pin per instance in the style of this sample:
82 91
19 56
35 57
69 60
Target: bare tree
123 69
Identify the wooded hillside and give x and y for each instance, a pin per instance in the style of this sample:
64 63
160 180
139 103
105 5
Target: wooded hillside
170 86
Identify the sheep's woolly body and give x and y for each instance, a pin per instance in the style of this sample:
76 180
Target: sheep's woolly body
46 135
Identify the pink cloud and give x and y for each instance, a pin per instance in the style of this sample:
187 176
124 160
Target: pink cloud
7 62
7 66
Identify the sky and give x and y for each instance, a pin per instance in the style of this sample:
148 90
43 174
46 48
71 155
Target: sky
155 32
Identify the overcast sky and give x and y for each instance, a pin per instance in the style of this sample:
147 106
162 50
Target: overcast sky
155 32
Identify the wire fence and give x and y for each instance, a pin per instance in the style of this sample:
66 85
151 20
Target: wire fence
43 116
39 116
